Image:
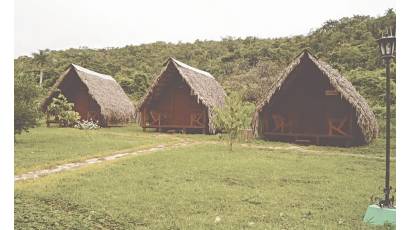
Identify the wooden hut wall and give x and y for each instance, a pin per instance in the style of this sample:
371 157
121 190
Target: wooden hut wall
303 99
174 99
76 92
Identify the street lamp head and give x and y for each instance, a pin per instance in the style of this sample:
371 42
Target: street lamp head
387 45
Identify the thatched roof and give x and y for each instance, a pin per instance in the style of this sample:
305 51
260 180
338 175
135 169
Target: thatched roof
366 119
114 103
202 84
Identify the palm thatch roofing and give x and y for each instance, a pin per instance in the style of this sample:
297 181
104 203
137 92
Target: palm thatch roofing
366 119
115 105
202 84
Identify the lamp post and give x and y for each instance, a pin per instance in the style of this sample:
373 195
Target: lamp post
384 212
387 46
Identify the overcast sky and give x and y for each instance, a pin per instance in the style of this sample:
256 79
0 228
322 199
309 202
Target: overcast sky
58 24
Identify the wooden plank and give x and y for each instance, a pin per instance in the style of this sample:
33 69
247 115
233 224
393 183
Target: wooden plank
331 92
143 117
351 122
303 141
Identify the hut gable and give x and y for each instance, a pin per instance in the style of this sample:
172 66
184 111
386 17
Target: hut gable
201 84
366 119
114 104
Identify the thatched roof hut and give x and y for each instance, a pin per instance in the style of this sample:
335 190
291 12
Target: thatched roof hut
314 91
95 96
178 95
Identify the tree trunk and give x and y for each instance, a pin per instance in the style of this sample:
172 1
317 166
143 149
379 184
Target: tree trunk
41 77
230 143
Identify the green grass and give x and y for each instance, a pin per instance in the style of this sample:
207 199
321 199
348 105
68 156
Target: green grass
188 188
44 147
376 148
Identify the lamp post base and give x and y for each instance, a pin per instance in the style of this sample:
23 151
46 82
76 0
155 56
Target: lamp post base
376 215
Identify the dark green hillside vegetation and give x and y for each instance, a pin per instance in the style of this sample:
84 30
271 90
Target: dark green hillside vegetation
247 64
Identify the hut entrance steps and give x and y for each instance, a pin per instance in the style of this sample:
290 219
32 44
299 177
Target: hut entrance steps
303 141
310 138
176 129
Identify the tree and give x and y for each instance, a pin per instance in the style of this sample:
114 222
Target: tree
26 109
233 116
40 59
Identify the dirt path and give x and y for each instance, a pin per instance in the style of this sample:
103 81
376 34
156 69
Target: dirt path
183 142
81 164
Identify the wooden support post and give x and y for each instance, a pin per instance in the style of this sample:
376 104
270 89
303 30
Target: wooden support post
159 122
351 122
47 120
143 119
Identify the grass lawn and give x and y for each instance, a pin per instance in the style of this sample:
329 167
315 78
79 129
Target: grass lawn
192 187
376 148
43 147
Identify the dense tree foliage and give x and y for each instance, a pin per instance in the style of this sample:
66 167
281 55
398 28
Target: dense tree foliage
134 83
26 113
246 64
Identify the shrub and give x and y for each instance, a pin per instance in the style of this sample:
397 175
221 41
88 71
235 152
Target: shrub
63 111
69 118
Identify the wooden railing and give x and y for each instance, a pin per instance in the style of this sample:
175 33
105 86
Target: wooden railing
160 120
337 128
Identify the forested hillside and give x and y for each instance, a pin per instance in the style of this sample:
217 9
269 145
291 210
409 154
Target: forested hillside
247 65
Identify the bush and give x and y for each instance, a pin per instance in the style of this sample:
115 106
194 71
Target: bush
69 118
63 111
87 125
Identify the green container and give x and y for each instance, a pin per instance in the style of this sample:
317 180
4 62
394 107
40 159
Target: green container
379 216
